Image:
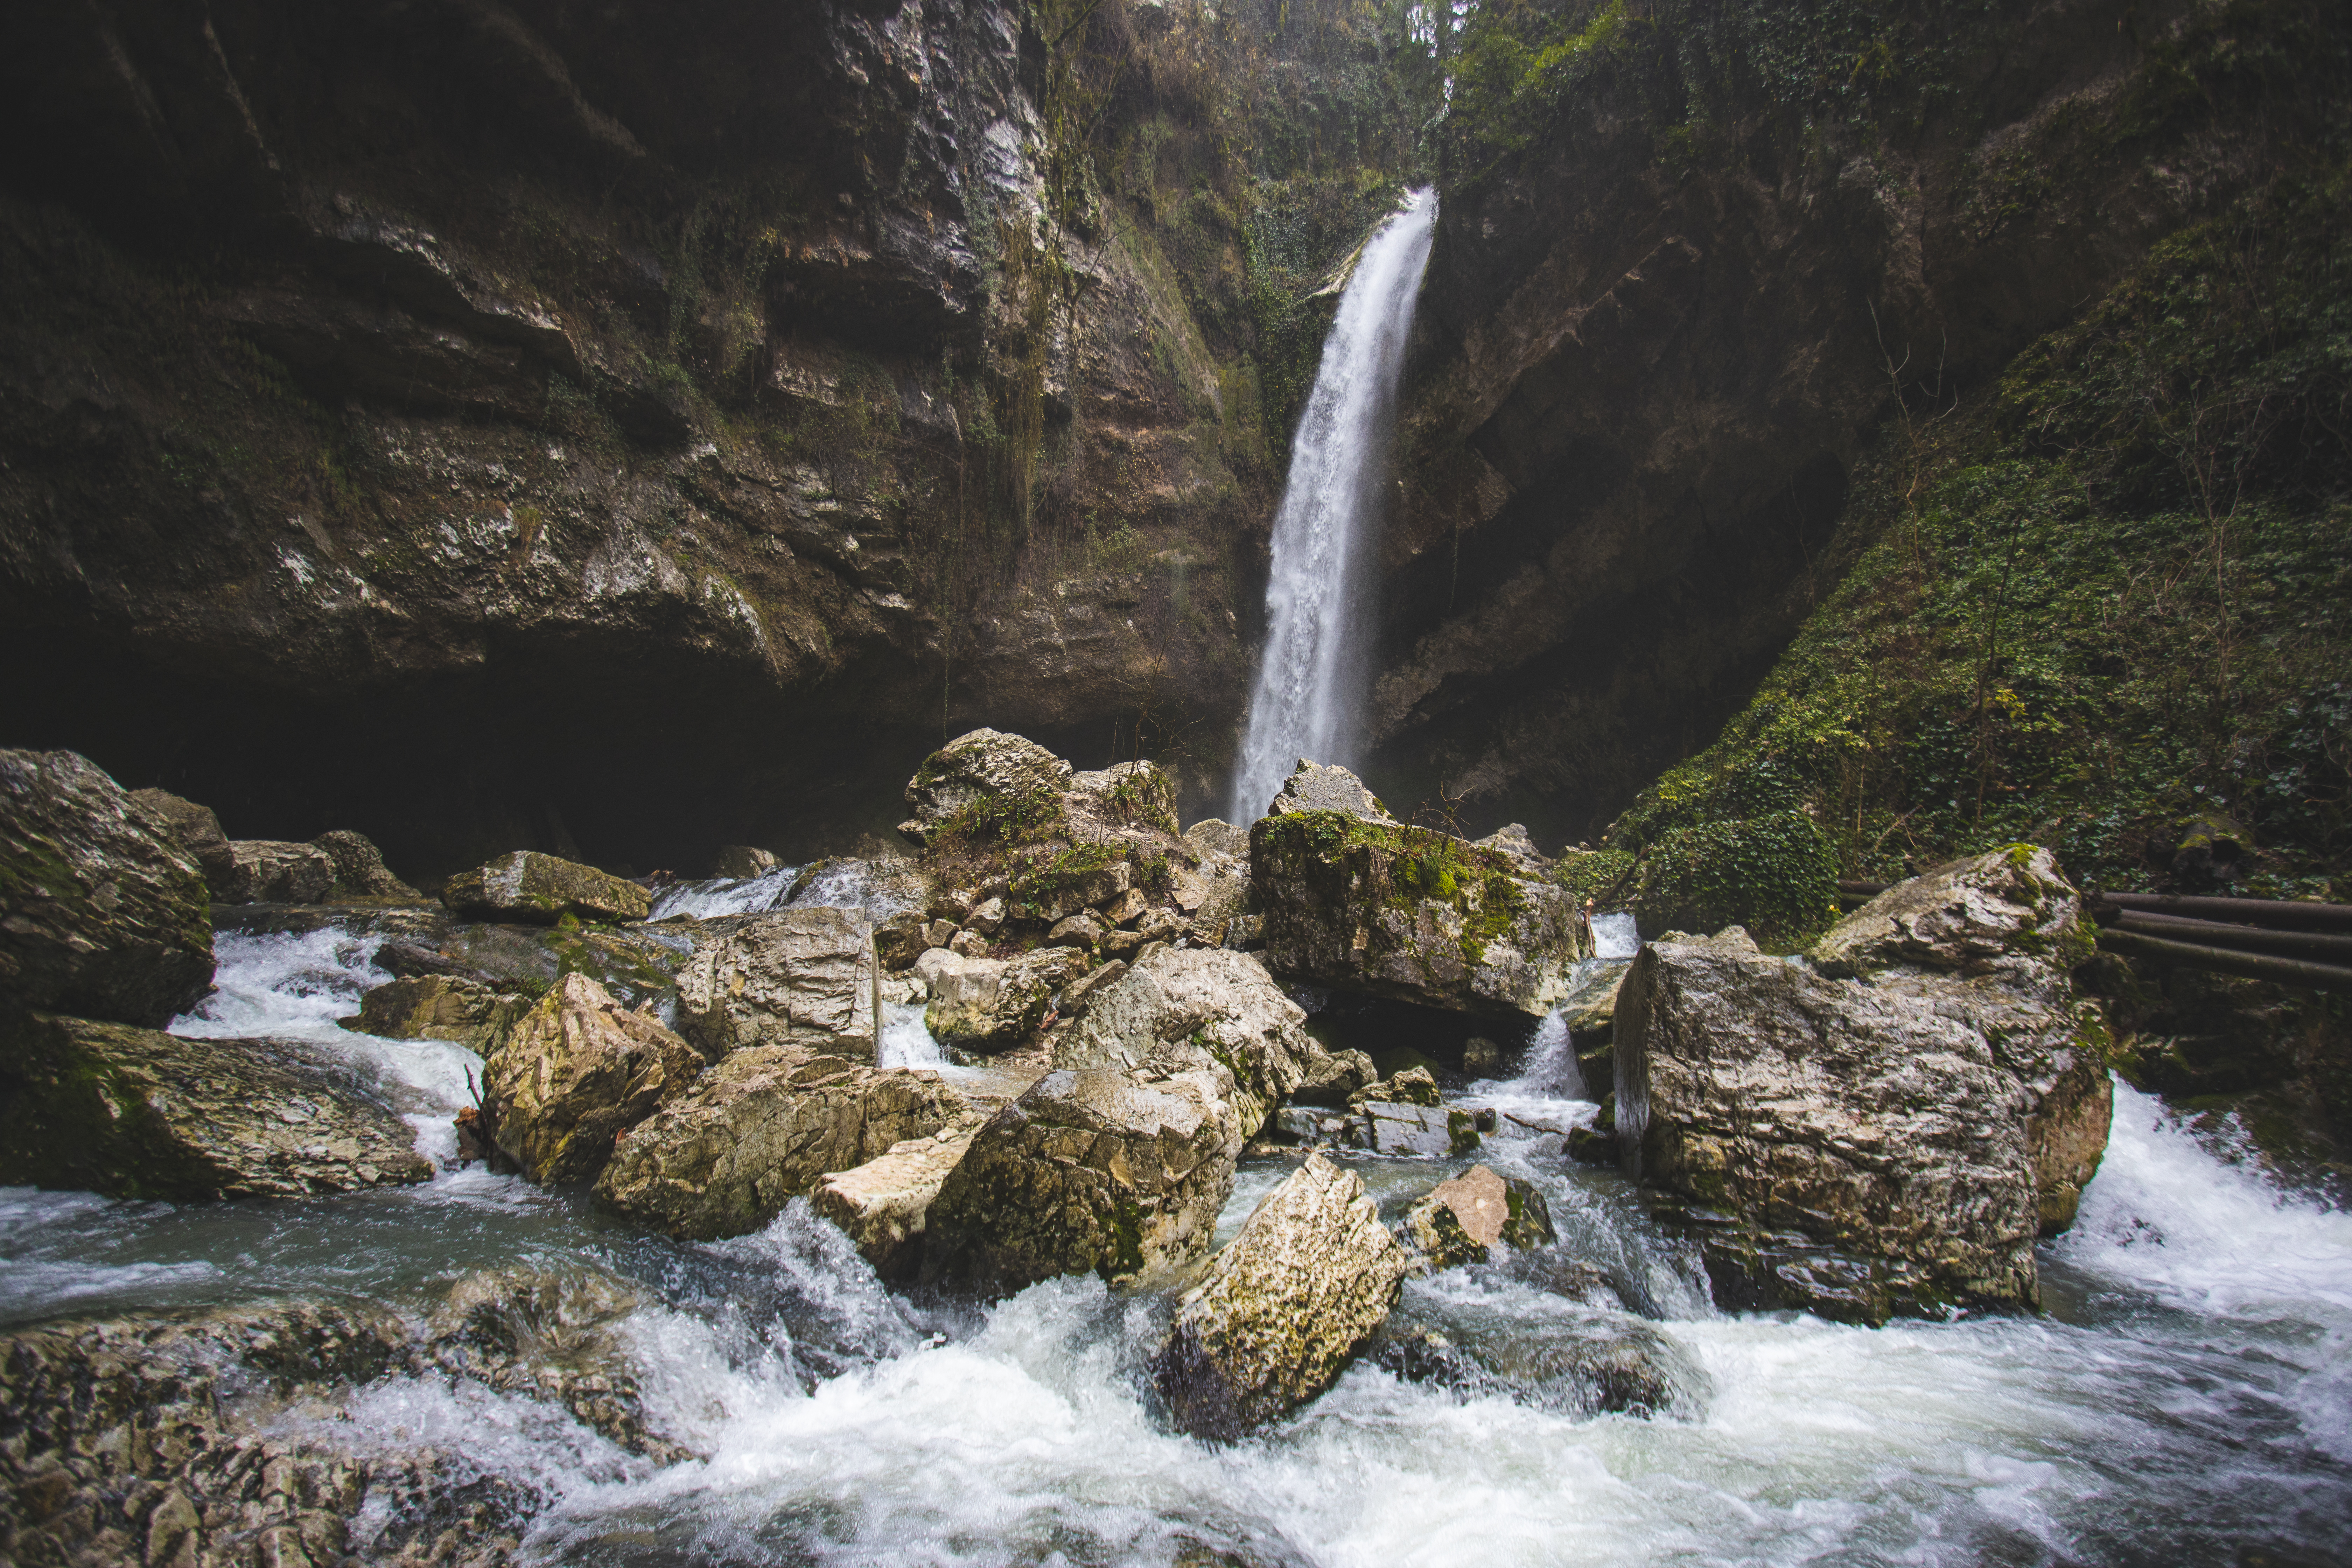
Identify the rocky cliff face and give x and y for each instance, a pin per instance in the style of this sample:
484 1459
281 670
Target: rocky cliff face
540 423
1690 267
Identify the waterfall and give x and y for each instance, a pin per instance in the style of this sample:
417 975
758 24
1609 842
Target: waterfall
1309 683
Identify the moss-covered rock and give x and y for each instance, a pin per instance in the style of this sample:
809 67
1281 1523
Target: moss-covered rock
1408 913
133 1113
1461 1219
103 911
540 889
1282 1306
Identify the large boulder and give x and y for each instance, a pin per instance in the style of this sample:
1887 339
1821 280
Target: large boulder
532 888
1104 1172
760 1128
1318 786
359 870
572 1074
198 829
136 1114
985 769
438 1007
796 977
1410 913
2009 915
1194 1009
1864 1146
883 1205
989 1006
275 871
1117 1161
102 912
1282 1307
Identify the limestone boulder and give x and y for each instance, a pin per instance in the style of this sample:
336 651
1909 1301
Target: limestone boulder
576 1072
1225 901
1422 1132
989 1006
1315 786
1194 1009
900 940
1883 1123
884 1203
103 913
1410 913
1212 836
133 1113
359 870
439 1007
1567 1357
531 889
802 977
2009 915
1461 1220
198 829
1282 1307
764 1126
1514 844
1125 794
1332 1076
1097 1170
1413 1086
980 767
275 871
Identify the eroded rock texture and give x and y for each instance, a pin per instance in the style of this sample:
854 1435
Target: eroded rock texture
574 1074
103 911
134 1113
1282 1307
796 977
1920 1127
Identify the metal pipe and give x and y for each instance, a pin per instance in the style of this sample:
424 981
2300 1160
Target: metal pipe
2223 961
2322 946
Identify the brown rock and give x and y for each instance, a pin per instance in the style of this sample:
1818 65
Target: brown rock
574 1073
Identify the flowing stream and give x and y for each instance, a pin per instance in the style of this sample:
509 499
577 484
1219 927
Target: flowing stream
2188 1395
1310 679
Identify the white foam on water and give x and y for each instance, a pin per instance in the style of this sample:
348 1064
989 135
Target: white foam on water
716 896
1614 935
2165 1214
906 1039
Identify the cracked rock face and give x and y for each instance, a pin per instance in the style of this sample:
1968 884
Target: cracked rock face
532 888
760 1127
1282 1307
574 1074
102 912
133 1113
1864 1145
796 977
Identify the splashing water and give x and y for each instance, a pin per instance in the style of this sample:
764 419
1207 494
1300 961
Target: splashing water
716 896
1614 935
1309 681
2185 1399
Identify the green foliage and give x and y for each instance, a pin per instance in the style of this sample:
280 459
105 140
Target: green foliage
2114 598
1776 875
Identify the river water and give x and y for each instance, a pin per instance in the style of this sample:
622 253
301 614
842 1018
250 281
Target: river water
2187 1397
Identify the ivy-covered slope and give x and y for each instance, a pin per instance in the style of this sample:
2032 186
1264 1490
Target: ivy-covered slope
2106 606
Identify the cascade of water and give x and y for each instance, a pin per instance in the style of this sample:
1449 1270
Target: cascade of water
1309 680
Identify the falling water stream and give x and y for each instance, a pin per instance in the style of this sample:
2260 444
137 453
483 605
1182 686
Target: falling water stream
2188 1394
1310 679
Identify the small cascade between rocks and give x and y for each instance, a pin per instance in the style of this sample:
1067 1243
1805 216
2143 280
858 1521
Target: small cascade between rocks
1310 679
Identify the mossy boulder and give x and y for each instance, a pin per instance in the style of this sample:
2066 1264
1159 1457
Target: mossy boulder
531 889
103 912
1282 1306
137 1114
2010 913
985 772
1410 913
1461 1219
